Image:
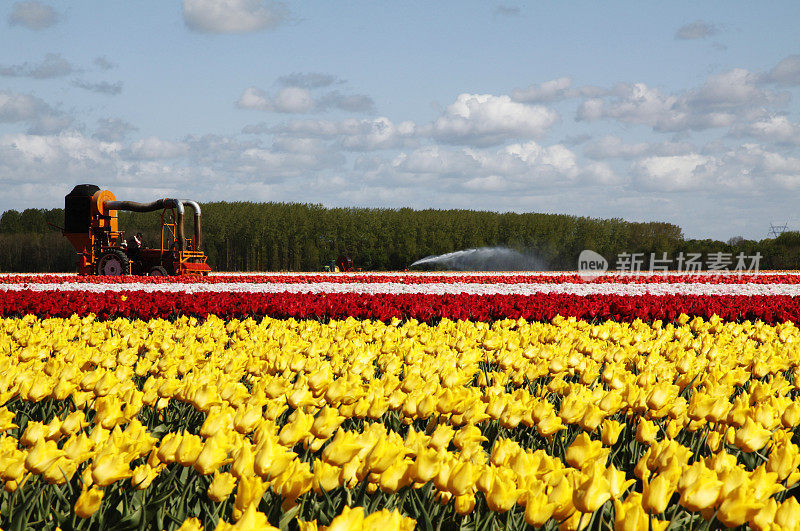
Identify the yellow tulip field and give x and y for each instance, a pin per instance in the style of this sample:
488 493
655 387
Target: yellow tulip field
262 422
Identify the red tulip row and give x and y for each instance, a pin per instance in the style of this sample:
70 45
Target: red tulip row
424 307
771 277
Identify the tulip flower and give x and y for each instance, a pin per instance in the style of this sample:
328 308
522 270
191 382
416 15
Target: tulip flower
583 450
396 476
326 422
737 507
189 449
464 504
42 456
221 486
503 493
657 493
108 468
143 476
88 502
593 491
538 509
344 447
751 436
213 455
248 493
788 514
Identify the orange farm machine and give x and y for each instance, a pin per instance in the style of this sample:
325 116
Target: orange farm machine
92 227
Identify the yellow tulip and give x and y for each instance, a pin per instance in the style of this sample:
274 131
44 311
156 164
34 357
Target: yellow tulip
426 465
296 429
611 430
189 449
737 507
221 486
702 492
326 423
344 447
538 509
788 514
143 476
503 494
42 456
752 436
218 419
88 502
108 468
783 459
631 516
191 524
464 504
396 476
385 519
617 484
326 476
348 519
213 455
656 494
646 432
248 493
583 450
593 491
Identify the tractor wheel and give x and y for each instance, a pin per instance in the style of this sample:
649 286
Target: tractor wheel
158 271
113 264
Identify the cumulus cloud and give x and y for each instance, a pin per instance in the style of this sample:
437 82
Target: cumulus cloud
696 30
53 65
152 148
32 15
613 147
101 87
112 129
350 134
309 80
287 100
295 100
722 100
484 119
787 72
741 170
40 117
233 16
507 11
103 63
776 128
556 89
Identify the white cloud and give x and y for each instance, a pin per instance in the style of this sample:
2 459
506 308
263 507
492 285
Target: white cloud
696 30
299 100
734 89
613 147
675 173
744 170
719 102
152 148
776 128
484 119
287 100
40 117
32 15
101 87
787 72
553 90
293 100
53 65
112 129
233 16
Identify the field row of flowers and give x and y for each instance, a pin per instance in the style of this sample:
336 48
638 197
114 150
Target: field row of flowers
539 278
567 424
420 306
162 406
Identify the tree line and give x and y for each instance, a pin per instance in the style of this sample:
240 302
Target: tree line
245 236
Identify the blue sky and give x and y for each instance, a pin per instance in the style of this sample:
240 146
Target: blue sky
675 111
